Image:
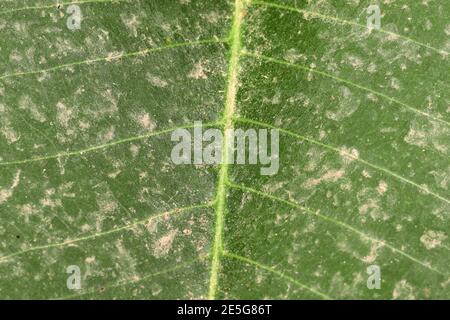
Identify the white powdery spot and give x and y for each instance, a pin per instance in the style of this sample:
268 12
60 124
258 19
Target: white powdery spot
5 194
349 155
15 57
114 174
432 239
198 72
372 68
134 149
392 36
107 135
416 137
163 245
48 201
83 125
355 62
442 178
333 175
292 56
90 260
431 135
107 202
156 81
382 187
366 174
447 30
329 176
132 23
85 227
26 103
151 226
114 56
63 114
372 256
403 290
395 83
211 17
9 133
348 104
146 121
276 99
125 260
370 206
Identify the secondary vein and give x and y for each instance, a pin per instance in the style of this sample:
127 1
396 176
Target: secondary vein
328 18
425 190
338 223
114 56
346 81
129 226
276 272
67 154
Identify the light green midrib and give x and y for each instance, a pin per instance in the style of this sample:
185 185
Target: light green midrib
228 115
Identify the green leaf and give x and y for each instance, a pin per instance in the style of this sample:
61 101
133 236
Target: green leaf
87 180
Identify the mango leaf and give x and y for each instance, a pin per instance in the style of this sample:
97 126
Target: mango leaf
93 207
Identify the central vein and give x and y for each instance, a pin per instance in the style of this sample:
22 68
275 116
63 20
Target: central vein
230 106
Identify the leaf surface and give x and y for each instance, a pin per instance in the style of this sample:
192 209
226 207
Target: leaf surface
86 176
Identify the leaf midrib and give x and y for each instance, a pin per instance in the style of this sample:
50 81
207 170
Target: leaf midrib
227 119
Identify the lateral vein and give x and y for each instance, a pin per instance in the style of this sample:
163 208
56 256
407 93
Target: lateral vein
127 282
100 234
338 223
112 57
328 18
351 83
68 154
357 159
276 272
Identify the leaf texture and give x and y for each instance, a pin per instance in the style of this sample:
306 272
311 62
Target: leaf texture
86 177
